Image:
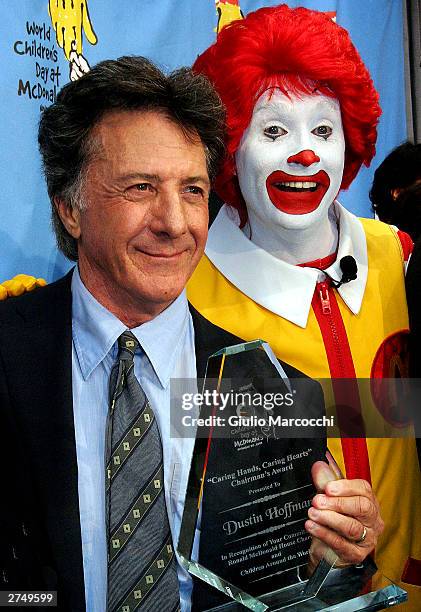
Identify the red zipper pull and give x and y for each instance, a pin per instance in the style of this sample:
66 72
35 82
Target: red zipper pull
324 298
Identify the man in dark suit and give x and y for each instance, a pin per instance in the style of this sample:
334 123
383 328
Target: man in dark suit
128 157
41 545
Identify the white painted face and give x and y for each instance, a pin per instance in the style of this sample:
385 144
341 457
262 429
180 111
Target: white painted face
290 160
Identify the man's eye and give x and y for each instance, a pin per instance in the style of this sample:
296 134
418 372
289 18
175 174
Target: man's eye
138 191
274 131
324 131
194 189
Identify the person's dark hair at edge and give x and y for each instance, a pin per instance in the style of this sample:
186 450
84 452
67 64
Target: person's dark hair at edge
399 171
125 84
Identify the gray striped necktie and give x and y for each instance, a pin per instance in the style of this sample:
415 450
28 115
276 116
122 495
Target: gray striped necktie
142 572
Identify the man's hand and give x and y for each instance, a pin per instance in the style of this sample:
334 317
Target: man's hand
69 19
345 516
21 283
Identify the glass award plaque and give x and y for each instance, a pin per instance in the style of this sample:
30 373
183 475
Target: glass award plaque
258 438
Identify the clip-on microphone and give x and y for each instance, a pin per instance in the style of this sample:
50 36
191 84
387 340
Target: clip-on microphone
349 271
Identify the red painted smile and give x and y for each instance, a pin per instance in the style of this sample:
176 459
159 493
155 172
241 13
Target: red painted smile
297 195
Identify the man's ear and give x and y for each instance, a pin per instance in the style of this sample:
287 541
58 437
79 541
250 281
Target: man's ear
70 217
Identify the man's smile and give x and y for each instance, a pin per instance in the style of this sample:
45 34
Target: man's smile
161 255
297 195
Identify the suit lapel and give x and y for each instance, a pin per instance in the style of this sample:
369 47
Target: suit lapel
46 401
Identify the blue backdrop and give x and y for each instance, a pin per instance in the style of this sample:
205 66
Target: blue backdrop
172 33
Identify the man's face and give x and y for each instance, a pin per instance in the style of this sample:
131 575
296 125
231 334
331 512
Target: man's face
145 225
291 158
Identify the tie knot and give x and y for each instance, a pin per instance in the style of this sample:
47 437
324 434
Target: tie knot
127 345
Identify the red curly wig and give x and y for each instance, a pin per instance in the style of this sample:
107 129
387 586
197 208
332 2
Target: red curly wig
298 51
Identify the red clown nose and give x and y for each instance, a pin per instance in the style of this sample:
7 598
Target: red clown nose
305 158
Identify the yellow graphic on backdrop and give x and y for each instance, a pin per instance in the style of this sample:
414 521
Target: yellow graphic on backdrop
228 10
70 19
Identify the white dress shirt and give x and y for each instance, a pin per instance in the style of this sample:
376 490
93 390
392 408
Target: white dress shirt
280 287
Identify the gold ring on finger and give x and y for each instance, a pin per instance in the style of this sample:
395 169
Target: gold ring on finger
363 536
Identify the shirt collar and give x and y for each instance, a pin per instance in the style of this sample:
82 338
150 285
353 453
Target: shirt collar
96 330
280 287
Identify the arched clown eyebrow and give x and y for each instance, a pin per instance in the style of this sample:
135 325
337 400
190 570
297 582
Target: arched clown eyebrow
287 104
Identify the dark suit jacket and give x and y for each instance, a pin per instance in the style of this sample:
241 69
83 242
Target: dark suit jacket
413 293
41 539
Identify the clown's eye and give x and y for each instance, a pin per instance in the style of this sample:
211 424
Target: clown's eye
274 131
324 131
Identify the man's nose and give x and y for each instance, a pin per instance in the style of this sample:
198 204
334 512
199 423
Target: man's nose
170 215
304 158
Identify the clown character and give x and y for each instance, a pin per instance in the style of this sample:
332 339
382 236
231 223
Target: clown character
287 263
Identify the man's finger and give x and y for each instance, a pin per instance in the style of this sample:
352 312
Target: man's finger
357 506
321 474
346 551
346 526
347 488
